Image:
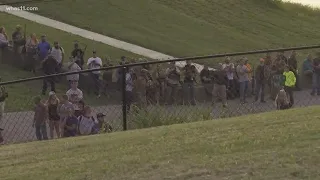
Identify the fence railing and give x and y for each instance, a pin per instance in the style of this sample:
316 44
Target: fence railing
160 94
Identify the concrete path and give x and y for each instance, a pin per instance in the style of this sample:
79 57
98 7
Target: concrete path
18 125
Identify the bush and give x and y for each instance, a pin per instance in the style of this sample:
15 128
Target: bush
155 116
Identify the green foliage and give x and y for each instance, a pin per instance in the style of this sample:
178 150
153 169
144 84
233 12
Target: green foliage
162 116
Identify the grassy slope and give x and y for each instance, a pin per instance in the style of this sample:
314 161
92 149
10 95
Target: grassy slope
281 145
18 99
66 39
184 28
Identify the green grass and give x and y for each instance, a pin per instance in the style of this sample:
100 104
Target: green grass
281 145
20 95
187 28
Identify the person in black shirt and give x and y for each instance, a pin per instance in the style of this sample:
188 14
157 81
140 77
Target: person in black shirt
18 39
316 76
49 66
78 54
220 80
260 81
206 80
188 84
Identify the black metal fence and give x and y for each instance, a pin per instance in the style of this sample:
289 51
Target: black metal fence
156 93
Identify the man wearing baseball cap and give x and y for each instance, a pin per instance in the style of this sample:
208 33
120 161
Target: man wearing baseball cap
103 126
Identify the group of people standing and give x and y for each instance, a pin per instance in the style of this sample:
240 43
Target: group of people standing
271 76
67 116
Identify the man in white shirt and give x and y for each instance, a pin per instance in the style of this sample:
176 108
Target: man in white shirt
75 95
229 68
87 122
73 67
95 63
57 52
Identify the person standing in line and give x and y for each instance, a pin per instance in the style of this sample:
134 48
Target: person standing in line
316 76
1 137
243 79
18 39
173 82
73 67
129 88
95 63
49 67
4 42
230 69
293 65
78 54
206 81
63 107
54 118
260 81
40 119
220 86
31 51
57 52
289 84
3 97
75 95
43 48
251 85
188 83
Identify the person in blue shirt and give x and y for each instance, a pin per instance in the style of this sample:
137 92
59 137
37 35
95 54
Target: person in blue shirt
71 124
43 48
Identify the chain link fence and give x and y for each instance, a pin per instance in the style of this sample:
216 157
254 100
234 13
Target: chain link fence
150 94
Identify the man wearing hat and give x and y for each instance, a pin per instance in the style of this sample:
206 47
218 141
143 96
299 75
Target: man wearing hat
102 126
95 63
260 78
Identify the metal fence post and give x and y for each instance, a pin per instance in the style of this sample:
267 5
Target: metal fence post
124 99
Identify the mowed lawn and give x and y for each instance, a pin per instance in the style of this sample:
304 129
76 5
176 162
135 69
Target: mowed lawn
20 95
186 28
277 145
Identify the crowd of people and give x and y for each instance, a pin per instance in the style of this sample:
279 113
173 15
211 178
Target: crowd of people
149 84
67 116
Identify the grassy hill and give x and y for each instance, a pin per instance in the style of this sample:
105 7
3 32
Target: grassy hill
281 145
186 28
